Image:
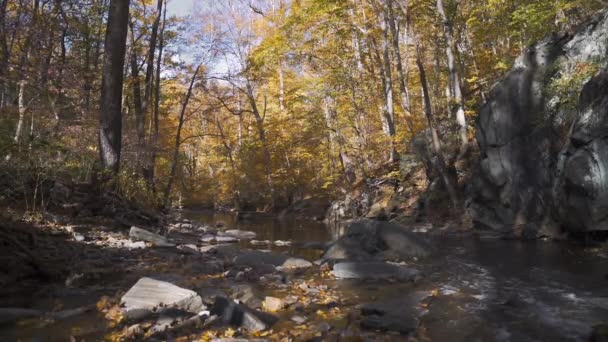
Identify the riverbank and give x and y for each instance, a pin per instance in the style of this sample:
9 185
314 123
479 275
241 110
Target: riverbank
483 287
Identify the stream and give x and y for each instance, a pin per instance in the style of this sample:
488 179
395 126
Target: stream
483 290
489 290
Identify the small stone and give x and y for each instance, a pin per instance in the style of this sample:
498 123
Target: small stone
273 304
299 319
239 234
296 263
323 327
290 300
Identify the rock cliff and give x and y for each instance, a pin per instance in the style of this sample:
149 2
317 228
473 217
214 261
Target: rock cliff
543 140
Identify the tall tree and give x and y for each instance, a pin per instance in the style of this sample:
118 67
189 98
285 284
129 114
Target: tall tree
110 118
440 163
453 76
178 138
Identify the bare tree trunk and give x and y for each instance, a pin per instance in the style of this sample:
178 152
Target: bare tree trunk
441 165
22 109
404 92
259 120
110 118
155 135
140 116
4 53
25 56
387 83
454 79
178 138
150 59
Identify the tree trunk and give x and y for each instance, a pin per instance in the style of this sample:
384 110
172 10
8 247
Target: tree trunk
403 90
387 84
178 140
440 164
4 53
454 79
22 109
150 58
156 112
110 118
23 63
140 119
259 120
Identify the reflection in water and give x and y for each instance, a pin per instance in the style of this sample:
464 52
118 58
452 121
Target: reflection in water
297 231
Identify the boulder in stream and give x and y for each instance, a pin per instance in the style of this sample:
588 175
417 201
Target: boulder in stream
366 239
149 295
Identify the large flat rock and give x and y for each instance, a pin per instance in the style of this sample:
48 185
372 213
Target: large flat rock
148 295
372 270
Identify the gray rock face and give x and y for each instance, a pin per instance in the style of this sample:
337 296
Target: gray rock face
373 270
537 174
366 239
149 295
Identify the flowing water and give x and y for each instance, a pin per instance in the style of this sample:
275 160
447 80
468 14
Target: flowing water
485 290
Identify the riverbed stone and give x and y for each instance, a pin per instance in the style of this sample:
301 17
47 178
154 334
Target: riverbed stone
140 234
239 315
257 259
246 294
373 270
273 304
219 239
239 234
399 314
147 295
365 239
295 263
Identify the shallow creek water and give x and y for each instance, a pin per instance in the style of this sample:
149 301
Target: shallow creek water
484 290
487 290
